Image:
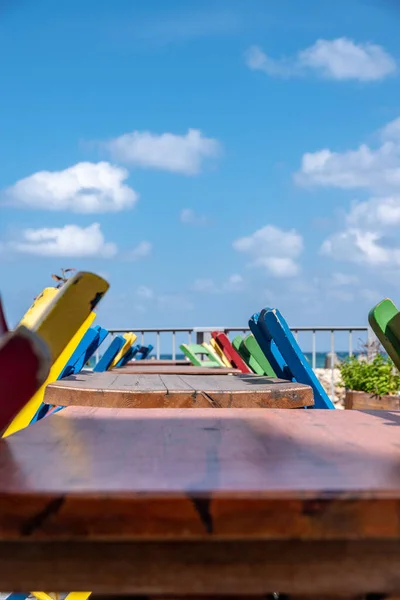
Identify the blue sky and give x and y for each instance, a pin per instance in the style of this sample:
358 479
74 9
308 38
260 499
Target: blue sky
208 158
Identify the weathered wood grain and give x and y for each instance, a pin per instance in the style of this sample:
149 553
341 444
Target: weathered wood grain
207 502
214 474
318 569
363 401
115 390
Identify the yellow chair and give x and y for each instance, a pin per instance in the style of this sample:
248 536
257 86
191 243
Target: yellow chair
219 352
61 318
38 307
130 338
70 596
212 352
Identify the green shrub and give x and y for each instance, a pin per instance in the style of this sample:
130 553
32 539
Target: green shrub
378 377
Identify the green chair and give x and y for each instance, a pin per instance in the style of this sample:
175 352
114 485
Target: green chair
252 354
384 319
195 352
258 355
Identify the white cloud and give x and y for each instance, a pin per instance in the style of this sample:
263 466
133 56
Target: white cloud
392 130
344 59
190 217
167 151
145 292
368 235
142 250
365 247
376 212
375 169
68 241
362 168
274 249
339 59
84 188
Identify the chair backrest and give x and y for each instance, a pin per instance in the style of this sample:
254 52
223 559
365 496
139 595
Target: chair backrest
239 345
61 324
211 352
129 339
30 319
144 352
109 355
269 348
72 304
258 356
220 353
234 358
132 352
194 352
384 319
137 352
38 306
91 341
24 367
284 354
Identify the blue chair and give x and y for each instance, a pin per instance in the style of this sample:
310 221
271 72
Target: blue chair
83 352
133 350
109 355
138 352
93 338
284 354
144 352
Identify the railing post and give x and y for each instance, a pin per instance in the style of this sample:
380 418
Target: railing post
199 337
314 350
173 345
158 345
333 365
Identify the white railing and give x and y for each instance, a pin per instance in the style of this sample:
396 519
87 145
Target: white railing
199 335
329 339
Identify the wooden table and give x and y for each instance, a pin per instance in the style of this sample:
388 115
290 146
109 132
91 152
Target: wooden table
175 370
178 502
114 390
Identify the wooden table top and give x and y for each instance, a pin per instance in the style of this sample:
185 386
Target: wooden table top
170 472
175 370
132 501
114 390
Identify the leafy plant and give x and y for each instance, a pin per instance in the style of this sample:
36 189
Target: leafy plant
378 377
65 275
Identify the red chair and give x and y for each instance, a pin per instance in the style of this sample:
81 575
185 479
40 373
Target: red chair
231 354
24 366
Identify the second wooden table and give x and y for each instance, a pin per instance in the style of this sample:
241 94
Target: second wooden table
113 390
